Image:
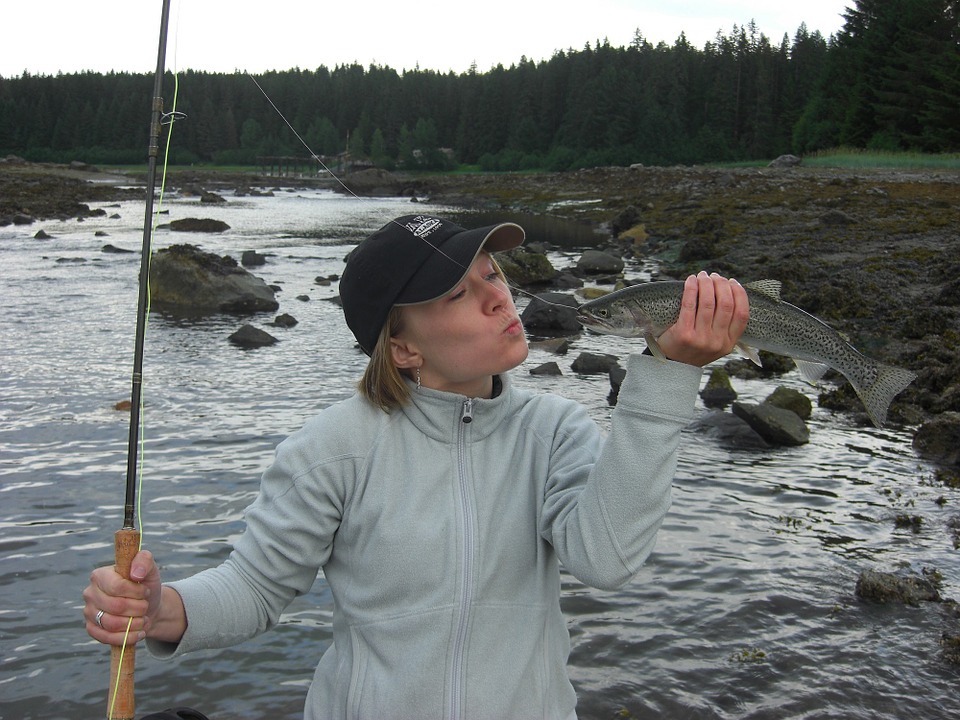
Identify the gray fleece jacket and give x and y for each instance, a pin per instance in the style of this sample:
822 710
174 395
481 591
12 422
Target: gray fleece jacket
441 529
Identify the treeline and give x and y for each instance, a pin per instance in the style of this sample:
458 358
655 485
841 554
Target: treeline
890 79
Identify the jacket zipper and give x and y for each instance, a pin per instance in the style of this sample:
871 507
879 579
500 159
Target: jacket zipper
466 580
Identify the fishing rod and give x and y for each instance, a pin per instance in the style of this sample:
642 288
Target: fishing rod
120 701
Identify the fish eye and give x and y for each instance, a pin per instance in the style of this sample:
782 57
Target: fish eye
602 312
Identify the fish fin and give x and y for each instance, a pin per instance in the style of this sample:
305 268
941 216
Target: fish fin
749 353
654 346
769 288
889 382
811 371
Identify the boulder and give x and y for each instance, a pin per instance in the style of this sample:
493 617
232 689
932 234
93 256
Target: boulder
114 250
775 425
785 161
617 375
207 225
187 280
250 337
251 258
557 346
548 368
526 268
907 589
938 439
551 313
718 392
285 320
793 400
728 430
598 262
594 363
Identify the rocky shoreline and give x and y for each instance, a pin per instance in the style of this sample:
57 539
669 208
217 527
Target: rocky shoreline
876 253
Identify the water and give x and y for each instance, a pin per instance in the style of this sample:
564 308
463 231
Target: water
745 610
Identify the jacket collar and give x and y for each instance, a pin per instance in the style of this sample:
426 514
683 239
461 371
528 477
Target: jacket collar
440 414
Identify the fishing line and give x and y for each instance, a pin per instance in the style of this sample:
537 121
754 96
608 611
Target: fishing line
320 162
168 119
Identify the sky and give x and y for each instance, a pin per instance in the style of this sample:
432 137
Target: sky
46 37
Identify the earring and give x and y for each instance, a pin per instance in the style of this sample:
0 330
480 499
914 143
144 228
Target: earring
418 378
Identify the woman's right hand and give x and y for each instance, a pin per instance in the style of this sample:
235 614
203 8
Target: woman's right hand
120 611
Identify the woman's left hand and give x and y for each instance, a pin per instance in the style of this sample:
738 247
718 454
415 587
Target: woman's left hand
713 315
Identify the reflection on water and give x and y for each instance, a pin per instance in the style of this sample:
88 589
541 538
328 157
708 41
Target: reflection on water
745 610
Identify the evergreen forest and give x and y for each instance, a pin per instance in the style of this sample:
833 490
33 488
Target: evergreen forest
888 80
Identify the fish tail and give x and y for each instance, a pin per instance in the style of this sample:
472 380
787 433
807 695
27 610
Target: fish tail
889 382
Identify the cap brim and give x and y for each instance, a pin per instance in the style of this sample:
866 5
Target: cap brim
435 279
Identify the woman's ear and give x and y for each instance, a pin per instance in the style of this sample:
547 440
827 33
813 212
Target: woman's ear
404 354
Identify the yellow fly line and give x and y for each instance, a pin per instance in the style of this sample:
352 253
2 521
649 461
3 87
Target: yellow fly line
170 119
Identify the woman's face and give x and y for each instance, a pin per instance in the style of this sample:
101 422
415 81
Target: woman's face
461 340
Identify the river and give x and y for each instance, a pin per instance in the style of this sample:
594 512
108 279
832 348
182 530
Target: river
746 609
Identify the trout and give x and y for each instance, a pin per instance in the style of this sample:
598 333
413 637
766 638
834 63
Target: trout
776 326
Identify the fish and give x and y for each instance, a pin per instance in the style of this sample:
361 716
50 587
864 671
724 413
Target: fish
648 309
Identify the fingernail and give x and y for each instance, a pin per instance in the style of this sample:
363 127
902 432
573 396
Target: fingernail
141 635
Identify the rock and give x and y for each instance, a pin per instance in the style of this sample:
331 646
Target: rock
206 225
211 198
251 258
551 312
557 346
908 589
598 262
21 219
627 218
938 439
372 181
718 392
775 425
114 250
185 279
793 400
548 368
785 161
729 430
250 337
42 235
594 363
836 217
285 320
526 268
617 376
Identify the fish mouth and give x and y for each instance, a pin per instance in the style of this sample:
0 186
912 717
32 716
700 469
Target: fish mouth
592 322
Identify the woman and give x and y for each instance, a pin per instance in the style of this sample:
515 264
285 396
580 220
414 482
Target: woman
440 501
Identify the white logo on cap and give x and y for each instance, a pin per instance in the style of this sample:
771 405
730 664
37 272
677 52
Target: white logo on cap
422 226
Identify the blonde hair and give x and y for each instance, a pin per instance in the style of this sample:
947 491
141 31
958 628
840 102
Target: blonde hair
382 382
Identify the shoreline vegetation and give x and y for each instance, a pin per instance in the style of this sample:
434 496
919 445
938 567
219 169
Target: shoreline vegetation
866 241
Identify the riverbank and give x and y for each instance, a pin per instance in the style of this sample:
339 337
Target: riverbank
874 253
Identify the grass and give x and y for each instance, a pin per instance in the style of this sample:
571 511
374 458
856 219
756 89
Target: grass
842 158
853 159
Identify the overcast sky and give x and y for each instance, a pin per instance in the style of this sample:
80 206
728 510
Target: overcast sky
44 37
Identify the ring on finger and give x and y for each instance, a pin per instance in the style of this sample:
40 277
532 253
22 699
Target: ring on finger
99 618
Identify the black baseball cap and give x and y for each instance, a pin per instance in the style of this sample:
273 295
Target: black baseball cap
413 259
